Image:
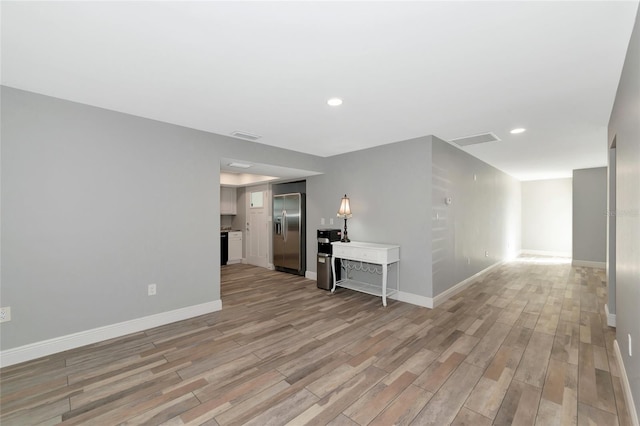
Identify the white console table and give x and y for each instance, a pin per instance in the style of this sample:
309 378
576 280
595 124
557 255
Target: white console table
378 254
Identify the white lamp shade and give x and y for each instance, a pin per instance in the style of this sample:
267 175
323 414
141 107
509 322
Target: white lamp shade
345 208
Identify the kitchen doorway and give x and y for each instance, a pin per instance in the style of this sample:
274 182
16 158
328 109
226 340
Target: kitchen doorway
257 226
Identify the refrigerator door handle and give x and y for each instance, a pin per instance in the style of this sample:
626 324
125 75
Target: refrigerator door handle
284 224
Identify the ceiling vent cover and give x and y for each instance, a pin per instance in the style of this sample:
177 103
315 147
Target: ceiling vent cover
476 139
245 135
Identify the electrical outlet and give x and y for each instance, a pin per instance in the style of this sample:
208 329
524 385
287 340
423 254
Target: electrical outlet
151 290
322 221
5 314
330 221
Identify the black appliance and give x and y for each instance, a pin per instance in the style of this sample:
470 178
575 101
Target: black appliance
224 247
325 250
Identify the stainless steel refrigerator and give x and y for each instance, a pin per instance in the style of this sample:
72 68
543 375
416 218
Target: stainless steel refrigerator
289 233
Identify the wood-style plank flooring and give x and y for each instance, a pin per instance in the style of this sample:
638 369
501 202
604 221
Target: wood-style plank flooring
528 344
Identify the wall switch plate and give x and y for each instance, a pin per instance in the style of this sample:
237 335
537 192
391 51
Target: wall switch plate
486 254
5 314
151 290
322 221
630 352
330 221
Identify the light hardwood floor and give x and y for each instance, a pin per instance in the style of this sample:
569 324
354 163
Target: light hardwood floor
526 345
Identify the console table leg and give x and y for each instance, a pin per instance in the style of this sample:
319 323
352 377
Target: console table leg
333 269
384 284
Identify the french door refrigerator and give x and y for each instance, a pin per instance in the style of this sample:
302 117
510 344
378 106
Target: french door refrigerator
289 233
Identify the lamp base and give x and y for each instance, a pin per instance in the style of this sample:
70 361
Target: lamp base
345 236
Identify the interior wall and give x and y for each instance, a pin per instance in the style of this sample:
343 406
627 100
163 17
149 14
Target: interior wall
475 218
97 204
390 196
624 126
611 232
547 212
590 215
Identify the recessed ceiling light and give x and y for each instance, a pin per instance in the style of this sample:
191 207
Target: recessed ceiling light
239 165
518 130
334 101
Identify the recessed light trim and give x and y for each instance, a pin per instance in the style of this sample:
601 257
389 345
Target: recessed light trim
240 165
334 102
518 130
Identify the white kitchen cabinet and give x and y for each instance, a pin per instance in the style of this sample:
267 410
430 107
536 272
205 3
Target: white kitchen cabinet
227 200
235 247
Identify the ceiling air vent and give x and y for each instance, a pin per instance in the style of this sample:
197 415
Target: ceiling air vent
476 139
245 135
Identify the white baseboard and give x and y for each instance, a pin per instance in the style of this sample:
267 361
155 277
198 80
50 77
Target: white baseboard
87 337
429 302
546 253
414 299
439 299
611 318
271 267
628 396
311 275
589 264
232 262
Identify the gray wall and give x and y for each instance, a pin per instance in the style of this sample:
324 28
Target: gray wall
547 216
96 205
484 216
390 196
625 127
611 232
590 214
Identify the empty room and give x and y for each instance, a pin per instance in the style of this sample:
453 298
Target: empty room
323 213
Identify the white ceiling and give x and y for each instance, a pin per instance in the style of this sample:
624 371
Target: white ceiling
256 173
404 70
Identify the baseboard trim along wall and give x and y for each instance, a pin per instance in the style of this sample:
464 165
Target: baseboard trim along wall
545 253
611 318
414 299
433 302
628 396
87 337
589 264
442 297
